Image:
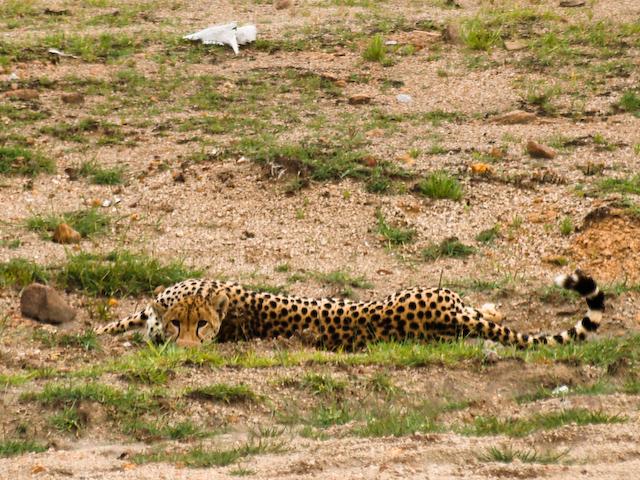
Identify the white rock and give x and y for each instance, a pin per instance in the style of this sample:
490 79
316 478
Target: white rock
561 390
404 98
226 34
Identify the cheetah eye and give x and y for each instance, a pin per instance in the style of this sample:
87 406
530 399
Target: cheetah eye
175 323
202 323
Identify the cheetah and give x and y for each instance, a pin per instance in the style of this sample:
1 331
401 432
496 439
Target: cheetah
196 311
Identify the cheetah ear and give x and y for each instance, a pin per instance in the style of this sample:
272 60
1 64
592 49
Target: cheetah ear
158 309
220 303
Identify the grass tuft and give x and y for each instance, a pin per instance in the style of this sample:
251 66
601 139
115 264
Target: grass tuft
86 222
394 236
101 176
449 247
11 448
22 161
375 51
120 273
508 455
440 185
222 392
20 272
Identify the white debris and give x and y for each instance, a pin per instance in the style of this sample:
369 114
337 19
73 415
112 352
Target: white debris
404 98
561 390
60 53
227 34
106 203
391 42
13 76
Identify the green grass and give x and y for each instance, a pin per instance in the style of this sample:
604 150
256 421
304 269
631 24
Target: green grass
521 427
394 236
322 384
329 414
488 235
107 133
393 421
11 448
120 273
202 457
343 280
20 272
630 102
376 50
222 392
566 226
86 341
620 185
153 431
440 185
86 222
509 454
23 161
598 388
101 176
449 247
68 420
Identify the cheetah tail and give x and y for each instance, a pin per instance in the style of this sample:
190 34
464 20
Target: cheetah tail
588 289
128 323
578 282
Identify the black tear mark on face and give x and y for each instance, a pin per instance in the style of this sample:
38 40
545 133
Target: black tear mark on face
201 324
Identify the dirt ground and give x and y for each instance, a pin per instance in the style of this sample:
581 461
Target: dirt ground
179 120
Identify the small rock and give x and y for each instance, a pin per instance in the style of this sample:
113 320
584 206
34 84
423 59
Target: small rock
23 94
37 469
65 234
404 98
497 153
514 117
359 99
514 45
44 304
106 203
406 159
179 177
281 4
481 169
491 356
75 98
370 161
452 34
539 150
572 3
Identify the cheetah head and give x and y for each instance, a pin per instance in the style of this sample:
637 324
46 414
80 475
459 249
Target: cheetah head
194 319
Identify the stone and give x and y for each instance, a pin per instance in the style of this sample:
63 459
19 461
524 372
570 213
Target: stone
75 98
572 3
23 94
359 99
43 303
539 150
406 159
281 4
481 169
514 117
514 45
65 234
404 98
451 34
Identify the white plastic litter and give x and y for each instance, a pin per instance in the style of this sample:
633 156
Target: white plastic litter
561 390
404 98
60 53
227 34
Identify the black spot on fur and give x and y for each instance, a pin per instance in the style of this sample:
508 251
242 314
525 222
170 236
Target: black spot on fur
589 325
597 302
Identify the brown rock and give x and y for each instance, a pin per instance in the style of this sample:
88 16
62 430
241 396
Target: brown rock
370 161
65 234
281 4
514 117
514 45
539 150
497 153
44 304
481 169
359 99
23 94
406 159
75 98
572 3
451 34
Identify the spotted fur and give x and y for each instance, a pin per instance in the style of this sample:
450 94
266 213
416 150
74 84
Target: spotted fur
417 313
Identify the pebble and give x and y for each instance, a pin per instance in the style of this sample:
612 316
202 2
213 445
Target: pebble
514 117
65 234
404 98
359 99
74 98
539 150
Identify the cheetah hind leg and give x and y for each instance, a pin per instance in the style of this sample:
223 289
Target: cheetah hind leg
491 313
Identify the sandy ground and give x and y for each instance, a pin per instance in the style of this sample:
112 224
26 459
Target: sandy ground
231 219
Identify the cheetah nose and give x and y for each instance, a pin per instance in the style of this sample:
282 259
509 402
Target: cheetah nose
186 342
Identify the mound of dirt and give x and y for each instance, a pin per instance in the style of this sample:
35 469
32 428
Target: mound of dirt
610 246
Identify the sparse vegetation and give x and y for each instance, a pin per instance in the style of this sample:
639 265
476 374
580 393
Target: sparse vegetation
394 236
20 272
449 247
509 454
440 185
100 175
23 161
221 392
86 222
